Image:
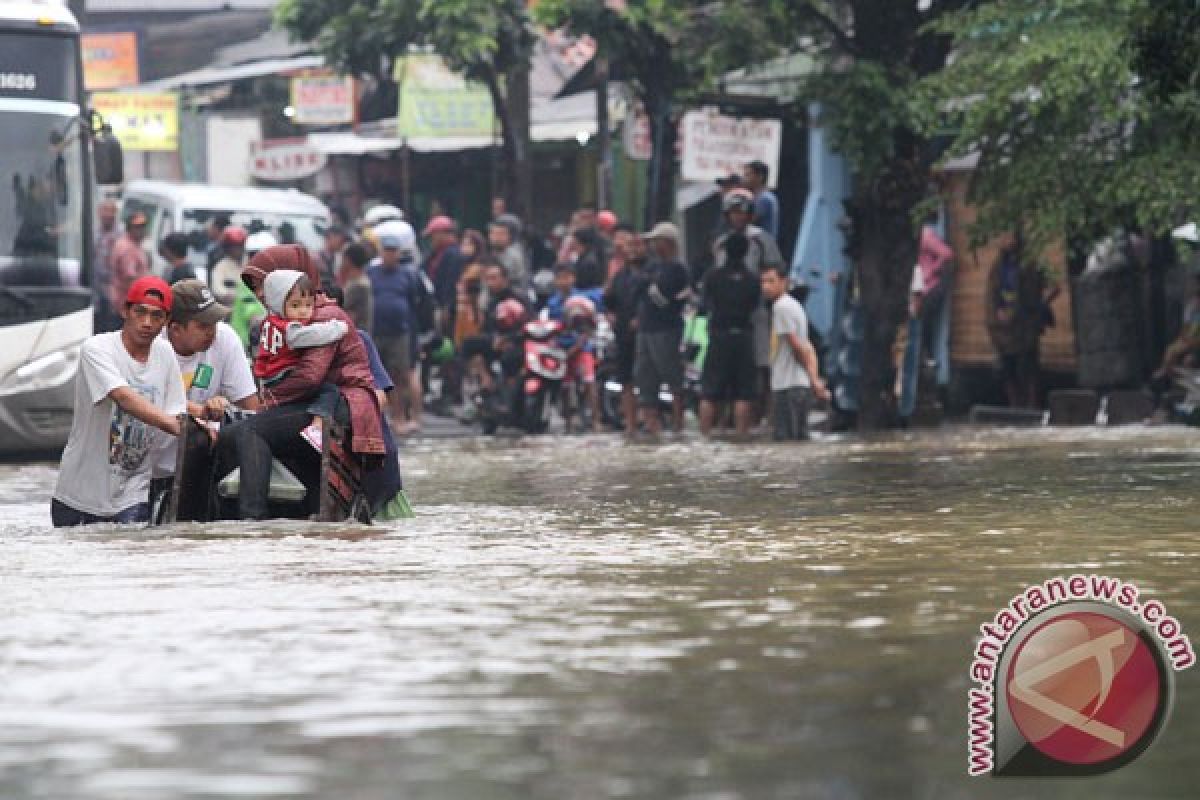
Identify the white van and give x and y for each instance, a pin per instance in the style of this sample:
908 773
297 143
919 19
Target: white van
291 216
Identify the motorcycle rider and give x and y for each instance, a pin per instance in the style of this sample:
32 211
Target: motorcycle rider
226 274
576 309
499 338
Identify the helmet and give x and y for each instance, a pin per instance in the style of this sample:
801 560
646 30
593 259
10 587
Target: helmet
579 312
509 314
257 242
738 200
382 213
606 221
233 236
401 230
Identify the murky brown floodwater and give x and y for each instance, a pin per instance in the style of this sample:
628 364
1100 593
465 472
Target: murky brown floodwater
577 618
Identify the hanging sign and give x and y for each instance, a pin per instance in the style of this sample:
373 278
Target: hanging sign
285 160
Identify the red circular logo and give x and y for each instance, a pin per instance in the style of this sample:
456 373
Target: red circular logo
1084 688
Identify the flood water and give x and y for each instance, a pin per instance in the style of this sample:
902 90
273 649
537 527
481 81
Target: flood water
581 618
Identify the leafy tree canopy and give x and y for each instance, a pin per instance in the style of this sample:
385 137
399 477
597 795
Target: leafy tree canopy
481 38
1070 140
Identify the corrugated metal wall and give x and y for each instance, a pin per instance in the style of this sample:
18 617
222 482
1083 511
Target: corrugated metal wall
969 342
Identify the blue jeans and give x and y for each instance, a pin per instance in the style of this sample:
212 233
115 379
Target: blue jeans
63 516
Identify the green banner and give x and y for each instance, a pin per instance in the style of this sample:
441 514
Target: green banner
438 103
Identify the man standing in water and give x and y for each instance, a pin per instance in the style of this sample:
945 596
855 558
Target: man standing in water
214 370
128 391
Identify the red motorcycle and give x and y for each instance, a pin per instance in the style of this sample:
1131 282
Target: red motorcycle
542 377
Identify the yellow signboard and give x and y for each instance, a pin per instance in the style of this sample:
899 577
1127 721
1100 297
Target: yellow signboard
141 120
436 102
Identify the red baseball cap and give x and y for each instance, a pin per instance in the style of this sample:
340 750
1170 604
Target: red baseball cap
150 290
439 224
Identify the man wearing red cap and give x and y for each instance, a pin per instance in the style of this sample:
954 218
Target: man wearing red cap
444 266
127 395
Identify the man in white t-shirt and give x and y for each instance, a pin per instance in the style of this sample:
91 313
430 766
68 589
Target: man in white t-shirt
795 376
213 367
127 395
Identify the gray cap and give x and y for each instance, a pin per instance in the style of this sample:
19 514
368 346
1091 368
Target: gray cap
193 300
663 230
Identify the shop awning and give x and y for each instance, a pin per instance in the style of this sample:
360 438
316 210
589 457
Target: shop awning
348 143
210 75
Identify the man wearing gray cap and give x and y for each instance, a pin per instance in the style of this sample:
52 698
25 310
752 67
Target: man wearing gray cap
665 290
212 362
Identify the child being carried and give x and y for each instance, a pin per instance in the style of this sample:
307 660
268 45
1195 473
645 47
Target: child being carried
290 300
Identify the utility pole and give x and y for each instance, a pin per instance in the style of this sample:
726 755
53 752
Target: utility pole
603 139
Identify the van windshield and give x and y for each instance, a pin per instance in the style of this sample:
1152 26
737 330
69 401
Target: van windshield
307 230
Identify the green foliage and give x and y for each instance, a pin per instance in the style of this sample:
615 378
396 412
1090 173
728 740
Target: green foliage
483 38
1166 51
1070 142
868 104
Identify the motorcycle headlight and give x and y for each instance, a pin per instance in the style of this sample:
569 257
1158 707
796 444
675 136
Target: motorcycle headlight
44 372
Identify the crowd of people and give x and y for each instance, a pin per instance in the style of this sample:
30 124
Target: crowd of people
354 331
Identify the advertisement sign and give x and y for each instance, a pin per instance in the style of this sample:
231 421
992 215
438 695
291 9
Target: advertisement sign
141 121
110 60
322 98
715 146
285 159
438 103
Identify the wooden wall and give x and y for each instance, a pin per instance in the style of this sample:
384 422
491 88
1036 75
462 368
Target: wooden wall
969 342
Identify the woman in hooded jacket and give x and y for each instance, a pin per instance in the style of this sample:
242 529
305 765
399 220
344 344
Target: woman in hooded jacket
276 431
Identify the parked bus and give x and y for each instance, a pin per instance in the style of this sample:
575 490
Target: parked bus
46 186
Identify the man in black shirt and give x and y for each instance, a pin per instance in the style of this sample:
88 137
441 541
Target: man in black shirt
621 300
660 328
731 294
500 337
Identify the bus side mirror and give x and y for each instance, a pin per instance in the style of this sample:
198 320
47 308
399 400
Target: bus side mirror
109 160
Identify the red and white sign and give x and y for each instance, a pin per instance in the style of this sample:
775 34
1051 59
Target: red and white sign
323 98
716 145
285 160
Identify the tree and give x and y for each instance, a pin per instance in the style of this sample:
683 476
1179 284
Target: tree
874 54
489 41
1072 142
667 50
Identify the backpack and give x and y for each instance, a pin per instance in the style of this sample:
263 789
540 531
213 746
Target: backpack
424 304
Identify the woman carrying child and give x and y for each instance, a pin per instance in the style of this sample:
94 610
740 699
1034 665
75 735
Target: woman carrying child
277 431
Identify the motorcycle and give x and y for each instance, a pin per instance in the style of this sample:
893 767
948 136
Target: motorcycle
525 396
545 369
693 349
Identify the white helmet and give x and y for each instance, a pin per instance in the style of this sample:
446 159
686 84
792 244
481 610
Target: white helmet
382 213
402 231
257 242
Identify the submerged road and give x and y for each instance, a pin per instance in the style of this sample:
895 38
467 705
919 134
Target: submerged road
583 618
